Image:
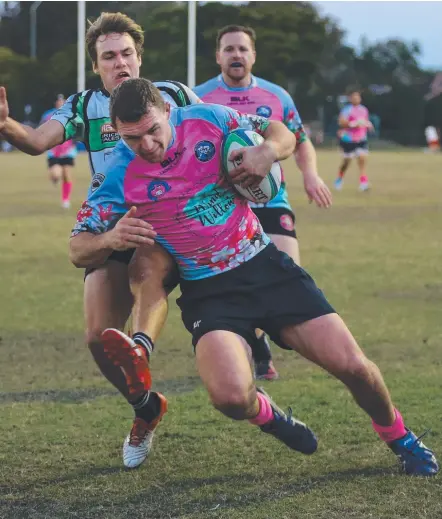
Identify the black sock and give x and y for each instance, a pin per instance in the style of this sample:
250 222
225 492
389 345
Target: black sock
261 349
144 341
147 406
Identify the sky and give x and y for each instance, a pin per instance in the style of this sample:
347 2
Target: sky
421 21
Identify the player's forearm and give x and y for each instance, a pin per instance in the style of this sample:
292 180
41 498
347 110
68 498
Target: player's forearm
89 250
305 157
280 141
24 137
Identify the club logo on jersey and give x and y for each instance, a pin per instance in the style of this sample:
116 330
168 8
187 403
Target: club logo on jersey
287 222
264 111
97 180
156 189
204 151
108 134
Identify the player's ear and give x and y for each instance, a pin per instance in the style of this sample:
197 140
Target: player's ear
167 109
95 67
217 54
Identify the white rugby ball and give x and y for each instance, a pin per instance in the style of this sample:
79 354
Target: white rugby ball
270 184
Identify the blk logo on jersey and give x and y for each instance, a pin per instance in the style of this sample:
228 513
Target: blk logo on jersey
264 111
156 189
204 151
108 134
171 161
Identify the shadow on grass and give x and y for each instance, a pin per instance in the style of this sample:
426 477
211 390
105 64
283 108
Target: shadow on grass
179 385
171 500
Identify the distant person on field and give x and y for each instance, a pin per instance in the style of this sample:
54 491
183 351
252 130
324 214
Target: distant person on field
61 158
432 138
354 124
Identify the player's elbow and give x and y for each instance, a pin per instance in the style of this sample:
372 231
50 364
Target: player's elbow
76 253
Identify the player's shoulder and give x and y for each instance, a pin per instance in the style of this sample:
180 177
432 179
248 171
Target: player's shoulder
206 87
48 114
272 88
175 93
206 111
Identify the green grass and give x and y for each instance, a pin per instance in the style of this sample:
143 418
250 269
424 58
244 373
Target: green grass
376 255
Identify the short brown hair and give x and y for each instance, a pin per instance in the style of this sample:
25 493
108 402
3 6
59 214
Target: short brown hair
353 89
134 98
235 28
108 23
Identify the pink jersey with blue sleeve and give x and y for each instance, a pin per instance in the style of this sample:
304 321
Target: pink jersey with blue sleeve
266 100
200 220
354 113
66 149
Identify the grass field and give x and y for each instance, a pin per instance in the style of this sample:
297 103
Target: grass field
378 258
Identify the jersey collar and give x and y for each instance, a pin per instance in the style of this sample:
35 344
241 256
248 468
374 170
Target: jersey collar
236 89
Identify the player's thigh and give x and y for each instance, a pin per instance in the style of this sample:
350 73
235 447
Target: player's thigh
55 172
224 363
152 265
327 342
287 244
107 299
67 173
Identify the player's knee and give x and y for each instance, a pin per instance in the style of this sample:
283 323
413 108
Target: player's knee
233 401
358 370
93 338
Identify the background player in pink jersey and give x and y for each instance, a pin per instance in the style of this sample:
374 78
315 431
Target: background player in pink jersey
238 88
354 124
61 159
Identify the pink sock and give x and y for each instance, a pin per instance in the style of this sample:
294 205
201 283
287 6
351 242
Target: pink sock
66 189
363 178
341 174
265 414
389 433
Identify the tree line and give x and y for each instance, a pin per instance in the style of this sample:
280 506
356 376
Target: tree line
298 48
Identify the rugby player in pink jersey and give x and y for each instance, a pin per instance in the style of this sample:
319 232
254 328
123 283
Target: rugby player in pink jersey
61 158
232 277
238 88
354 124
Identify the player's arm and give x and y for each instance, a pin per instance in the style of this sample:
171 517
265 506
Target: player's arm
29 140
255 162
305 157
105 223
89 249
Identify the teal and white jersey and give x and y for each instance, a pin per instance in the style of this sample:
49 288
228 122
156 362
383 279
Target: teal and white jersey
86 118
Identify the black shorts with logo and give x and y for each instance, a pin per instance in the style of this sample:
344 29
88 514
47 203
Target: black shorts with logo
60 161
124 256
276 220
269 292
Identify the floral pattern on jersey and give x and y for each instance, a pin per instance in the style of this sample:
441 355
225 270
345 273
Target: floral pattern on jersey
240 250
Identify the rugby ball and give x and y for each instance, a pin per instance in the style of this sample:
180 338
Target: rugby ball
270 184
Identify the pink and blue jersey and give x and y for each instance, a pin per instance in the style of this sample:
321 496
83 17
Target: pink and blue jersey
354 113
65 150
200 220
266 100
